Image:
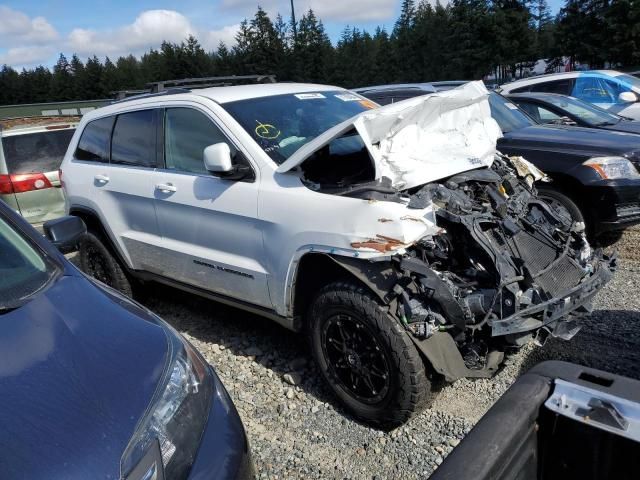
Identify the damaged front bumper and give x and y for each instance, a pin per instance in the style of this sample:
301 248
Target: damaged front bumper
559 314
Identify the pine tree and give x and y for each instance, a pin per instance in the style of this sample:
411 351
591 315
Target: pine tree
404 54
195 61
110 78
93 79
62 80
79 83
312 51
224 60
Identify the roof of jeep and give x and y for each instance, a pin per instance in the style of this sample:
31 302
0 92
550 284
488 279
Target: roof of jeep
217 94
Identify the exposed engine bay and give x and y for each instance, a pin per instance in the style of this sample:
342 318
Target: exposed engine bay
503 270
493 268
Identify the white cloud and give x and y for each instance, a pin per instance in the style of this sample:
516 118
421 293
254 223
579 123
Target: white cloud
26 42
19 57
212 38
149 30
353 10
17 29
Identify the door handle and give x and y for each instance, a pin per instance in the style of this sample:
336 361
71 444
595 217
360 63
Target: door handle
166 187
101 179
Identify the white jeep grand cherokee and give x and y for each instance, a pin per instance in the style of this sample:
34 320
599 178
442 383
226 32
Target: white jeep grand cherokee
397 239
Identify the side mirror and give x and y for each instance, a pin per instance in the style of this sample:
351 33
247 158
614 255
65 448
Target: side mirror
65 232
627 97
217 158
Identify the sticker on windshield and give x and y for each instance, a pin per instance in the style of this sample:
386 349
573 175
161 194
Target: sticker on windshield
267 131
512 106
347 97
309 96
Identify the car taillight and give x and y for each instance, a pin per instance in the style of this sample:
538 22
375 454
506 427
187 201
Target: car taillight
5 185
23 182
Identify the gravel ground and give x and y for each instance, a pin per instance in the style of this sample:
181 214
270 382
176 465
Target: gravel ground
298 430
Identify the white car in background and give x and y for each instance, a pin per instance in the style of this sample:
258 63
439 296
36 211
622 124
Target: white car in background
614 91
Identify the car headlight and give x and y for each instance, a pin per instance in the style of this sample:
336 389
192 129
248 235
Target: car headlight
612 167
166 440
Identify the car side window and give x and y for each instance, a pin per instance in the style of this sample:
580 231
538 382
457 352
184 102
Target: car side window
594 89
134 139
379 98
187 132
563 86
93 145
547 116
616 88
531 109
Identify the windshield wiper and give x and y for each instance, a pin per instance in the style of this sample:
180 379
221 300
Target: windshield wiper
7 309
605 124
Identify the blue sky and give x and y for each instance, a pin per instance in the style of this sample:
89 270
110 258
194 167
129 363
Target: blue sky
33 32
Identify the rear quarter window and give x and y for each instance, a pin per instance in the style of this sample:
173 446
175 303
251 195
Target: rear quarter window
93 145
36 152
564 86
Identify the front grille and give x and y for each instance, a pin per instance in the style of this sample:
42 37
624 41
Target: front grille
537 254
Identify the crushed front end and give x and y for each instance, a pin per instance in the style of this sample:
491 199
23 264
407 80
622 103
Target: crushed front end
503 271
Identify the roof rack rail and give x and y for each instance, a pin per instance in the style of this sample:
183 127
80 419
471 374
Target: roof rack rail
126 95
122 94
205 82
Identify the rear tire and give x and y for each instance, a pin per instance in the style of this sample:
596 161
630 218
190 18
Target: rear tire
97 260
366 357
561 204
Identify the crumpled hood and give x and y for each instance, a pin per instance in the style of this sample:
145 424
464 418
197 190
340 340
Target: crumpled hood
421 139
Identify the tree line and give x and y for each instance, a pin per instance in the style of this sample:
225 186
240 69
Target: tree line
466 39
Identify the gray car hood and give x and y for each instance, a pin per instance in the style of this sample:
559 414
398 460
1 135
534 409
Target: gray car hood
421 139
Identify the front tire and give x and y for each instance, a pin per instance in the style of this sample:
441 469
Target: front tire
561 204
366 357
97 261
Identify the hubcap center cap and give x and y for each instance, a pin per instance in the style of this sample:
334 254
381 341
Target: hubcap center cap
353 359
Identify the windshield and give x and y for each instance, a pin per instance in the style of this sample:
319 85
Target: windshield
281 124
586 112
507 114
630 79
23 269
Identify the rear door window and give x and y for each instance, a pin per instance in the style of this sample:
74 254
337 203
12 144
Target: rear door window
134 139
94 141
36 152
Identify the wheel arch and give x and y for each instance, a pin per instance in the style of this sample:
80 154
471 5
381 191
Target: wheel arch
94 223
314 270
